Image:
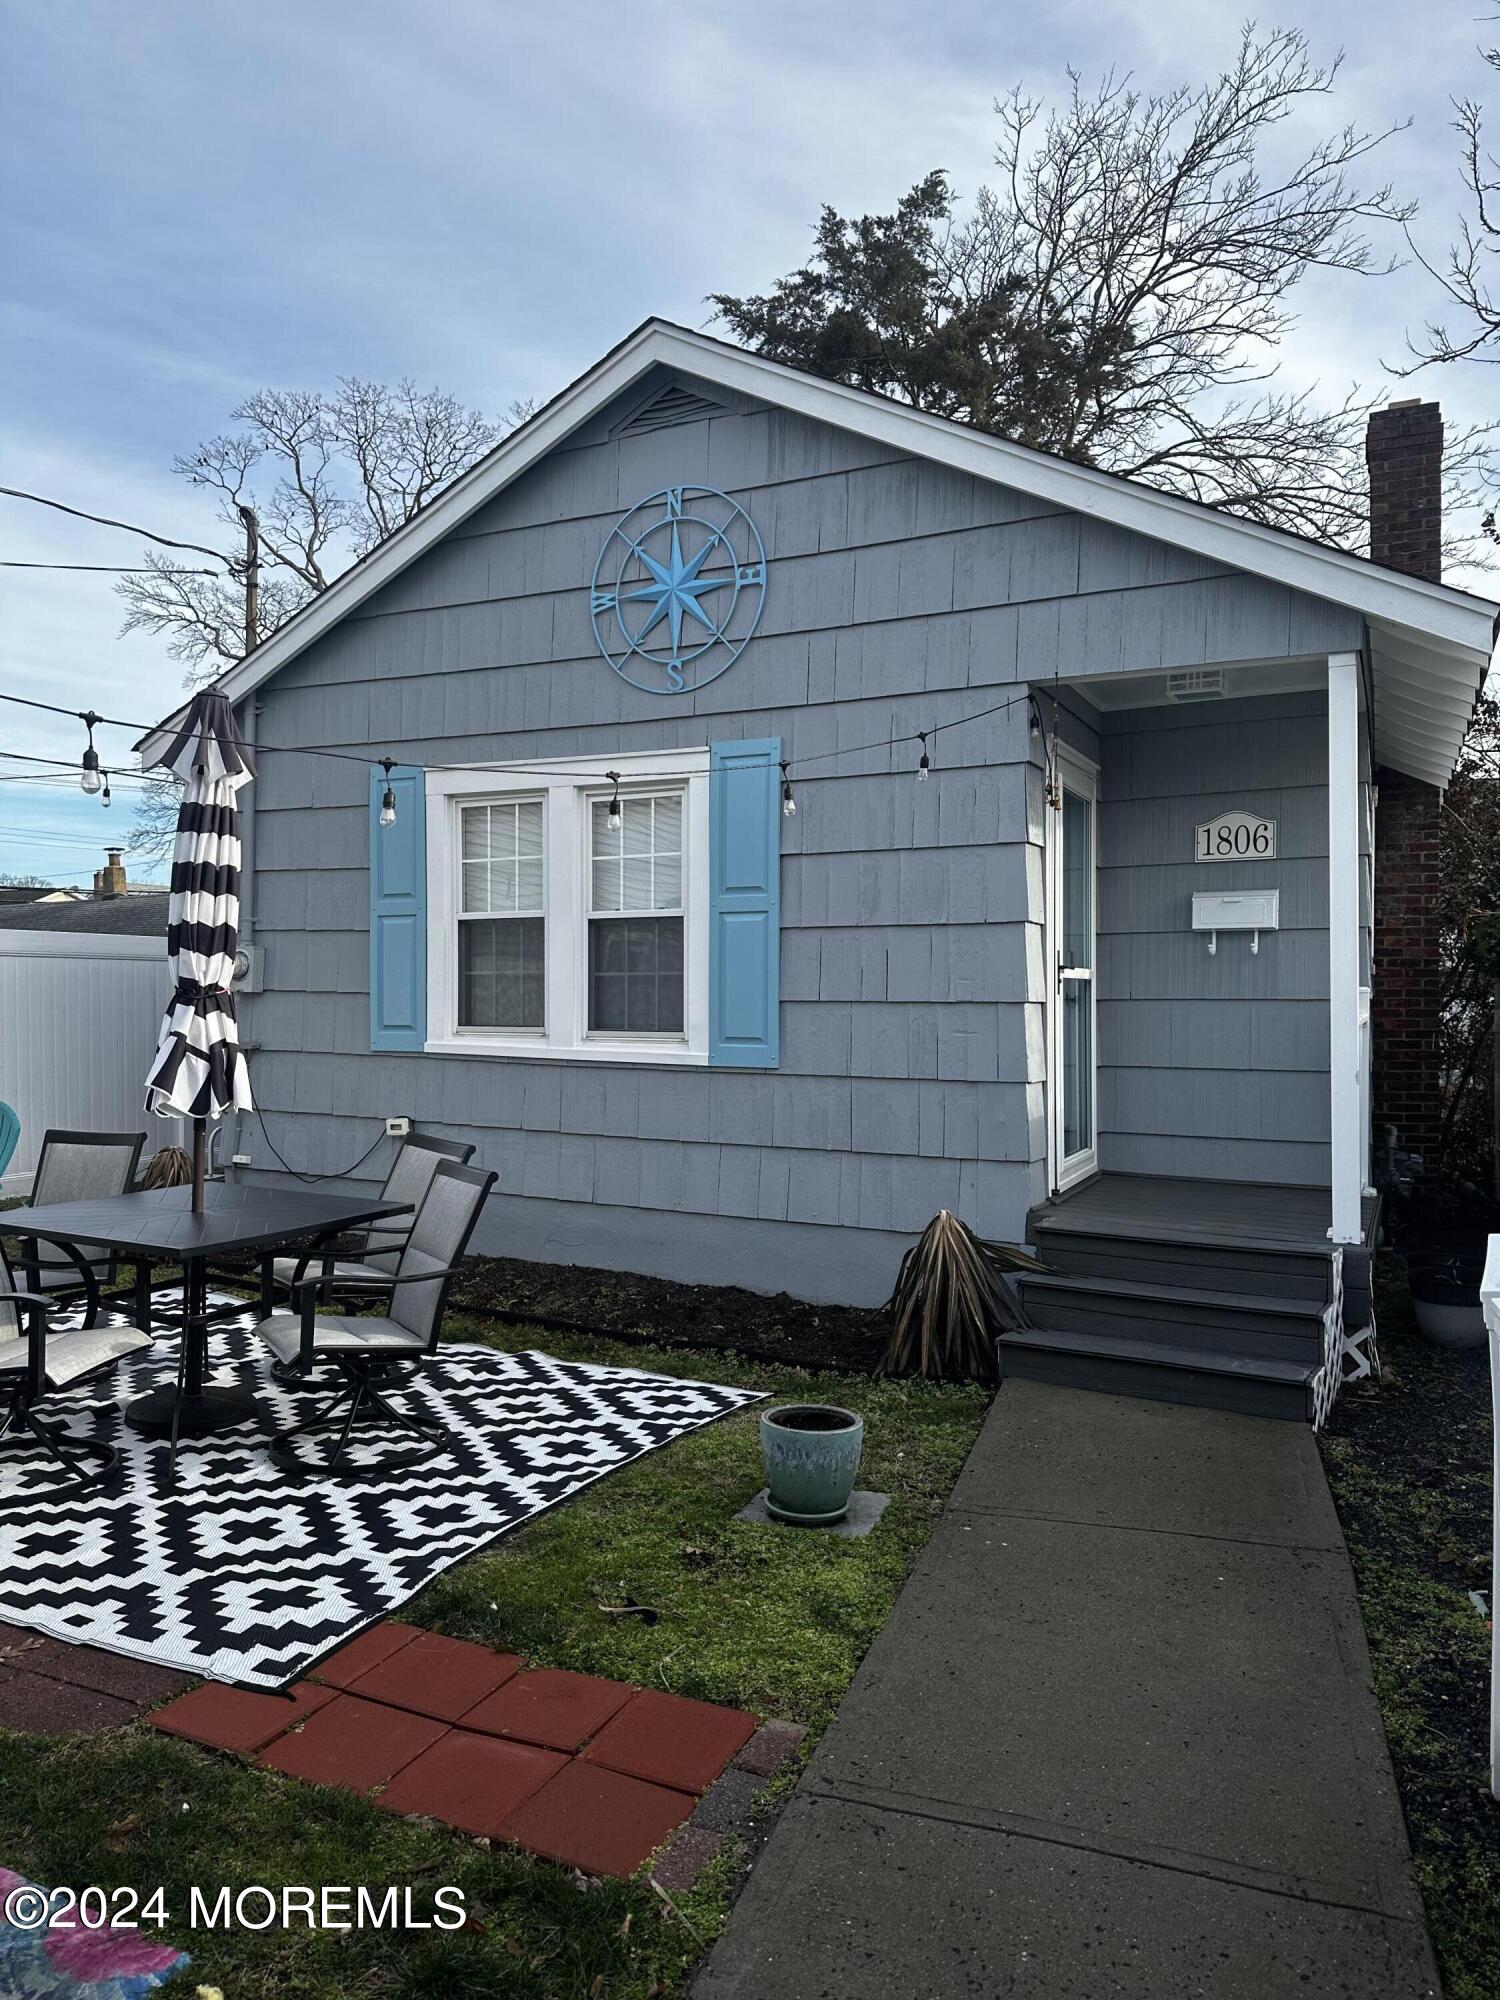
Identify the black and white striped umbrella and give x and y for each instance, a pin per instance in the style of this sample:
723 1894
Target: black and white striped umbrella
198 1071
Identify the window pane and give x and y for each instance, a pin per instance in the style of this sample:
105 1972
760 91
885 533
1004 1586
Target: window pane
635 976
501 847
502 973
637 866
1078 877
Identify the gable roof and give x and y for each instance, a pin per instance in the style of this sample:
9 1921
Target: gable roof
1430 644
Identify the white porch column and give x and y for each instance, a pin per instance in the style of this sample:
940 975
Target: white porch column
1343 946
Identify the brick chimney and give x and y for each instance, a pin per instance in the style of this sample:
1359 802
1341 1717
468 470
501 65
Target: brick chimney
109 881
1404 453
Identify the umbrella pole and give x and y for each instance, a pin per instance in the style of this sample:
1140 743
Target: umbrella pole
200 1127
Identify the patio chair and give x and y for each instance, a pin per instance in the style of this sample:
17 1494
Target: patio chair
379 1246
83 1166
36 1363
378 1355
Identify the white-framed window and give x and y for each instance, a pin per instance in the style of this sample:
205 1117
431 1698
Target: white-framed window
551 932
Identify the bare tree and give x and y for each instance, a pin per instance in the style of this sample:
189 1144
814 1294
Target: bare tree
328 476
1471 271
1139 250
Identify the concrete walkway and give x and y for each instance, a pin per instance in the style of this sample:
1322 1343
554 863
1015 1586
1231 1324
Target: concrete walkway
1117 1739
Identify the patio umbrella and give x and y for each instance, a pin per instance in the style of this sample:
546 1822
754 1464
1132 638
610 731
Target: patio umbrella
198 1071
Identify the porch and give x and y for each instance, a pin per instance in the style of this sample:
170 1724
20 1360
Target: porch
1225 1294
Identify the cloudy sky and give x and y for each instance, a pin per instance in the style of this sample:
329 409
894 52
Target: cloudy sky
205 200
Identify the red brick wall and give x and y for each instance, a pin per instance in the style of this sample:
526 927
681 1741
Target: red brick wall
1404 452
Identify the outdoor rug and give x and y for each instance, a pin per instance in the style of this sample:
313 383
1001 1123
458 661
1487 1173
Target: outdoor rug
246 1574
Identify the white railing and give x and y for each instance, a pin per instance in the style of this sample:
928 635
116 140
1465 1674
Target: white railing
1489 1293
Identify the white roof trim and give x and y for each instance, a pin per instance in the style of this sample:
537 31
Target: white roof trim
1426 618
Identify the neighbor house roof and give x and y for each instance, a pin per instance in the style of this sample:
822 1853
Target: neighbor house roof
1430 644
113 916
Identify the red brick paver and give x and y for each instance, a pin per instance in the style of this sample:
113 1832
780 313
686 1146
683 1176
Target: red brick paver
437 1676
225 1718
585 1771
597 1820
671 1741
549 1706
368 1650
353 1743
471 1782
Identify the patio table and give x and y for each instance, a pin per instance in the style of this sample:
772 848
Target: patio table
159 1223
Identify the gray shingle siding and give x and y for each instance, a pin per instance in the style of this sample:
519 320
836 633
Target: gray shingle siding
911 1078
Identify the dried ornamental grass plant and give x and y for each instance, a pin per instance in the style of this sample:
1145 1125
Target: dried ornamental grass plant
169 1166
953 1299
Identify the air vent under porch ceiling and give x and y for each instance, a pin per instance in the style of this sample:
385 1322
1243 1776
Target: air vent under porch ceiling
1196 684
674 405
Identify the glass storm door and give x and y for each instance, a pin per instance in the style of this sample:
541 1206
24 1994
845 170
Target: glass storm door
1074 1062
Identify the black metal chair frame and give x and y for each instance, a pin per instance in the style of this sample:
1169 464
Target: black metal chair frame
67 1450
138 1292
369 1376
455 1150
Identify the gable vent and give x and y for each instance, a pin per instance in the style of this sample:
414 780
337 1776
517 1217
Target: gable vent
1196 684
673 406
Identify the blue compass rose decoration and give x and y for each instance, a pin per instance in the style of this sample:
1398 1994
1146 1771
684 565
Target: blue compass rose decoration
678 589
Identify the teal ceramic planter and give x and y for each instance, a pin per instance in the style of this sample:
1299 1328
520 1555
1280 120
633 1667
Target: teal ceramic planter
811 1453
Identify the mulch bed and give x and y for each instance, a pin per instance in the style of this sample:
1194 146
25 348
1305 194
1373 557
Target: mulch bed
779 1330
1410 1467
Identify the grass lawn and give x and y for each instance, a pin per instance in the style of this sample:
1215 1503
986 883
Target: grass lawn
1409 1464
774 1622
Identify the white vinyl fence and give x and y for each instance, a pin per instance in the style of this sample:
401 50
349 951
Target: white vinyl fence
79 1016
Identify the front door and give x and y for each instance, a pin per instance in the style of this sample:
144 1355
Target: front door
1073 1069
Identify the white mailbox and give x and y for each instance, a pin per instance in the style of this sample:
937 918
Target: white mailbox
1253 910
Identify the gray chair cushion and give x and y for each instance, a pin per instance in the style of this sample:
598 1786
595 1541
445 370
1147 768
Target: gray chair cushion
284 1269
71 1356
333 1333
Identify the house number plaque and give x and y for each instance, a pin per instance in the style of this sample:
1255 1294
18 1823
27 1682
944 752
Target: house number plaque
1235 836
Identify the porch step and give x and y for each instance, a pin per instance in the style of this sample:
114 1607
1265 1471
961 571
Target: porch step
1121 1364
1230 1323
1200 1262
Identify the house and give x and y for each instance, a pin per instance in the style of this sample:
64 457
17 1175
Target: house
804 814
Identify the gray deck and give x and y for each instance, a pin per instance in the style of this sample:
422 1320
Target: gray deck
1248 1213
1118 1737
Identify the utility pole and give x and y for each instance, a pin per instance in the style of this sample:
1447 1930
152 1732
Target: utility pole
252 576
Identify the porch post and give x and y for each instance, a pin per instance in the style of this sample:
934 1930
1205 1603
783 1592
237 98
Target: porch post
1347 1146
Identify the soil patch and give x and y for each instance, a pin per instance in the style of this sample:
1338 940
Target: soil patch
574 1298
1409 1464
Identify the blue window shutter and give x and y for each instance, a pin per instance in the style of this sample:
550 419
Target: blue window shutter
398 912
744 949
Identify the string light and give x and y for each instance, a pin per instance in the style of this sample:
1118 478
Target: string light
788 803
104 801
614 819
90 780
388 802
924 765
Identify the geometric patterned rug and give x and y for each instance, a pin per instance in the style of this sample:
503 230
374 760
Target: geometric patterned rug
244 1574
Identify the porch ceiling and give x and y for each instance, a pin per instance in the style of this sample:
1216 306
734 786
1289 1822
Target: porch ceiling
1423 694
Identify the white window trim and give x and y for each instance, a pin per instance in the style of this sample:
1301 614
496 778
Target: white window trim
567 786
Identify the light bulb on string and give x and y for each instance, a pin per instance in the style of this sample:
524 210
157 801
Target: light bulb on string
89 778
388 802
924 764
613 819
104 800
788 803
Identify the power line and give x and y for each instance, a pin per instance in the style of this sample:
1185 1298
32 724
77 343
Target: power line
105 521
107 569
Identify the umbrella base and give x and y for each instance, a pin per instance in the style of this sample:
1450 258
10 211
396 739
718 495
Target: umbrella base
204 1414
